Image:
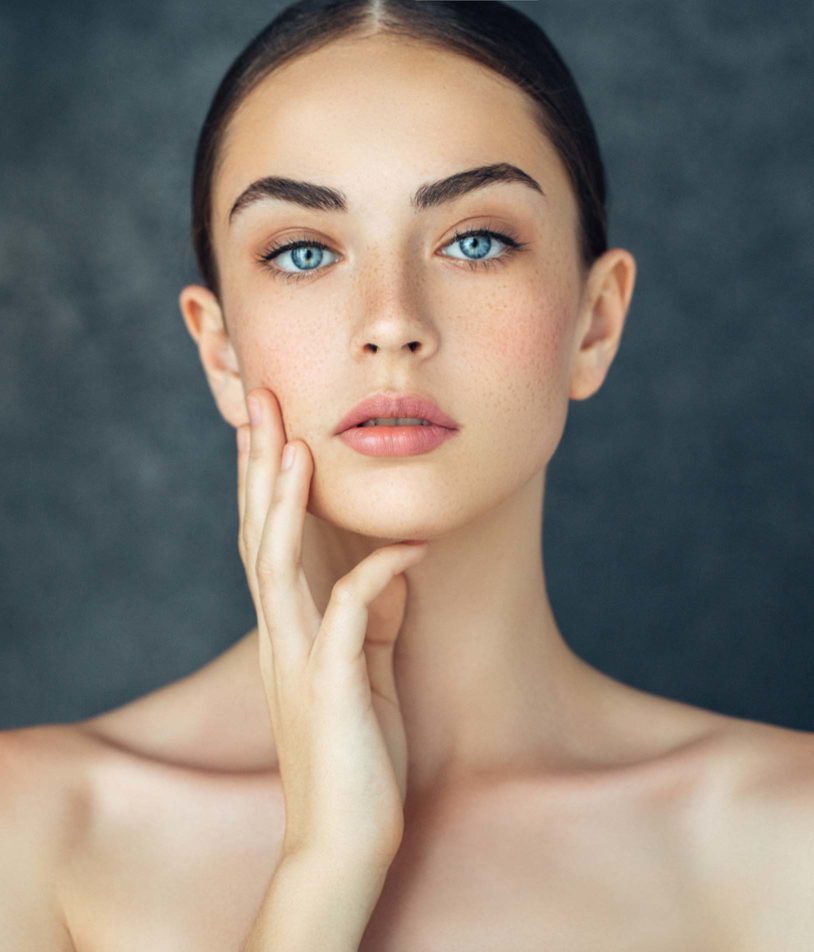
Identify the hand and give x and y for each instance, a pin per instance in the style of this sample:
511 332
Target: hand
338 728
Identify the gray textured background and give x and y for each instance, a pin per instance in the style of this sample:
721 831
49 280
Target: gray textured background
679 510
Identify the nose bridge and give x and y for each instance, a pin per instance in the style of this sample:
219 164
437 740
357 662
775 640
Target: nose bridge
388 296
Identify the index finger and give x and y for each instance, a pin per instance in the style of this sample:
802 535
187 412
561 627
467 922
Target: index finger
243 439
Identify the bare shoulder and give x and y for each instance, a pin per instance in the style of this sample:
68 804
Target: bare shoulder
215 718
760 836
42 809
101 831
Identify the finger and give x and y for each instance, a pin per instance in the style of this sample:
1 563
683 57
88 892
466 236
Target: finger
261 474
243 437
281 544
341 636
385 617
286 598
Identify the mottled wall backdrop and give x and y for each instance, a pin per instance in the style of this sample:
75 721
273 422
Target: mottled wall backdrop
678 526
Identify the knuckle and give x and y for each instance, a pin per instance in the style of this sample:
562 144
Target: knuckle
249 535
270 563
264 566
256 449
244 548
342 591
277 494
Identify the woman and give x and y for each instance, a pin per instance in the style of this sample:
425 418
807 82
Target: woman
398 199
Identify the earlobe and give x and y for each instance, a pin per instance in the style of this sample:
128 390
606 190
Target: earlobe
609 289
203 317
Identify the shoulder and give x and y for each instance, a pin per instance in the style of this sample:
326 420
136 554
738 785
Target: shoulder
214 719
758 836
42 810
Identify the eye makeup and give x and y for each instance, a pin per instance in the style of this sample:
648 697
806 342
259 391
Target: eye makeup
275 250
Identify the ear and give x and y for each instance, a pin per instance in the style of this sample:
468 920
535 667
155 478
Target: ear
204 319
604 305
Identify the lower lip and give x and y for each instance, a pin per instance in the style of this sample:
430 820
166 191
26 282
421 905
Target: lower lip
395 440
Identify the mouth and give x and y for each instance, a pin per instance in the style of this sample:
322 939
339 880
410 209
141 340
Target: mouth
397 439
396 410
395 422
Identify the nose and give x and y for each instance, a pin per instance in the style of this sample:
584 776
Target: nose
413 345
394 309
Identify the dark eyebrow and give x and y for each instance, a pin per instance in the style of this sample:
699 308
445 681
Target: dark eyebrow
429 195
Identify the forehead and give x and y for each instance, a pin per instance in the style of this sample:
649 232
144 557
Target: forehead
376 115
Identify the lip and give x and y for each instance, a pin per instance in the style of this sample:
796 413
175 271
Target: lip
396 440
396 405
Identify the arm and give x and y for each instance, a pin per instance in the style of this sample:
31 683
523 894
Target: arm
313 903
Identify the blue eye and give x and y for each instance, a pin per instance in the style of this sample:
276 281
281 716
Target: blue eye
479 243
310 261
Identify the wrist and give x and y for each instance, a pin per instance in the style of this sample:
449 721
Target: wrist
340 866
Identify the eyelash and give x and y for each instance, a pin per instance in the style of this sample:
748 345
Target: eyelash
512 246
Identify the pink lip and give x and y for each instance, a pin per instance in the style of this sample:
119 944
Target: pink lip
408 440
396 405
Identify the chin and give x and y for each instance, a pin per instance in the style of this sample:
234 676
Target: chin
384 522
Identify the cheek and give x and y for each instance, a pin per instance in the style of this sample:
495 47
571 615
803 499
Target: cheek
532 347
276 352
529 360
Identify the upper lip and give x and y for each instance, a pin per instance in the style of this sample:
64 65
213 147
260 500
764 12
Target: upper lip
392 405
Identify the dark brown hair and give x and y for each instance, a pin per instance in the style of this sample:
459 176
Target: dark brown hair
487 31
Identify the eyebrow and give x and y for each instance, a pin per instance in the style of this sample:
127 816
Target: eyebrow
428 195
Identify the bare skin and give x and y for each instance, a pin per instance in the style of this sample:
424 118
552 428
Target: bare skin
548 805
163 836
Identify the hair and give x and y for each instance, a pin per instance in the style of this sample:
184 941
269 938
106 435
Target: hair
487 31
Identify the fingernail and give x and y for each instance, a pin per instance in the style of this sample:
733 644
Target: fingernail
288 456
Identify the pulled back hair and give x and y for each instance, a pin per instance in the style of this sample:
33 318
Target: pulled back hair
487 31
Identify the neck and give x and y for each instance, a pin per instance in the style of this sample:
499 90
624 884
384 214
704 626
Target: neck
486 683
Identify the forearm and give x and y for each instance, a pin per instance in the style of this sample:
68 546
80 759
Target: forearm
313 903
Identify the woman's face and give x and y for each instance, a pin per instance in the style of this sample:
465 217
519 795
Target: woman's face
376 119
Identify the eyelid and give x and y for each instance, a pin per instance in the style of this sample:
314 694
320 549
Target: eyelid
505 236
502 233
